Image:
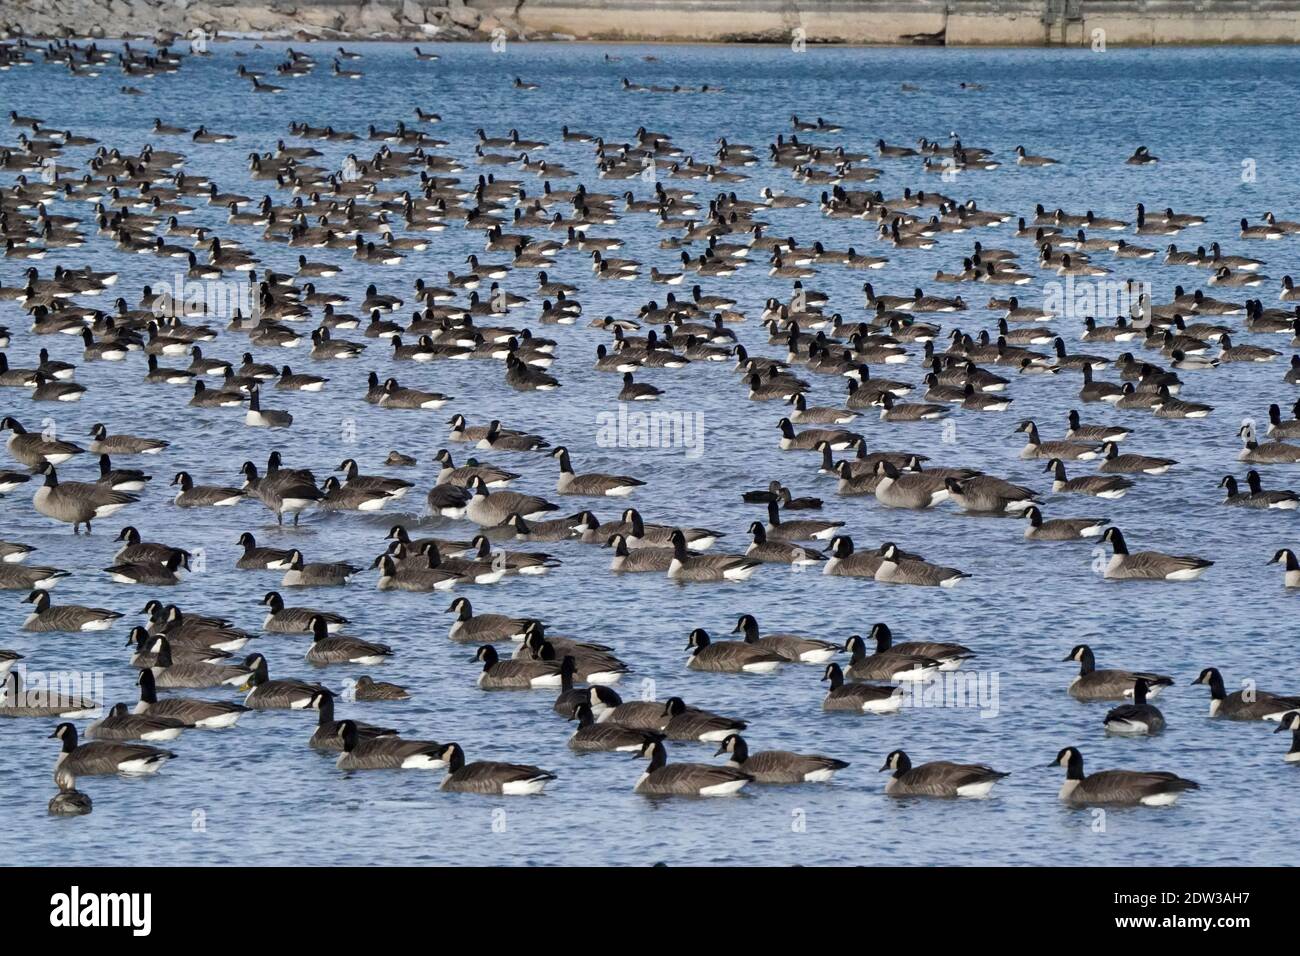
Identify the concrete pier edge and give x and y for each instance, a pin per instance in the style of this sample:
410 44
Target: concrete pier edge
1075 23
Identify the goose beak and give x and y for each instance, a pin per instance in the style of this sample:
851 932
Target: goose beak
884 768
1279 728
246 685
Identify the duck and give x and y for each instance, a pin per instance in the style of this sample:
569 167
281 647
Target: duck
857 696
1118 787
1149 565
687 779
1250 703
939 778
46 617
69 801
1138 718
778 766
367 688
734 657
106 757
76 502
1093 684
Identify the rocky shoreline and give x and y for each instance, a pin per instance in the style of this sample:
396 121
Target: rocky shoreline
1077 23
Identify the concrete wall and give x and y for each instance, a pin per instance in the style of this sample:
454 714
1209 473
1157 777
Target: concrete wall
954 22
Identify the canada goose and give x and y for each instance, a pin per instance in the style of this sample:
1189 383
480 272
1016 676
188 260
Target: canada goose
1067 450
204 496
515 673
1122 787
627 561
1101 486
789 647
890 665
69 801
258 417
778 766
485 776
120 724
191 673
984 497
593 484
707 567
106 757
859 697
948 655
915 490
1149 565
337 649
1092 684
1093 433
388 752
691 779
1255 496
296 620
18 701
449 474
69 617
1115 463
1291 722
896 569
25 578
938 779
255 558
1268 453
190 711
279 694
12 552
1061 529
153 573
302 574
606 736
1138 718
735 657
642 535
471 628
1250 703
490 510
76 502
800 529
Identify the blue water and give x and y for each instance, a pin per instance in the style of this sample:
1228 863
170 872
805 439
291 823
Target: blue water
258 795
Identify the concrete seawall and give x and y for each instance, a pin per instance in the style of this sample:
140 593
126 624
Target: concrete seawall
891 22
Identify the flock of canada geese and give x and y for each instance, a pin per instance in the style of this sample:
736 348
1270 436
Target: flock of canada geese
397 190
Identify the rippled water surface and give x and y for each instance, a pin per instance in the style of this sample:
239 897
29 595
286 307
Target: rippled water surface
258 795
